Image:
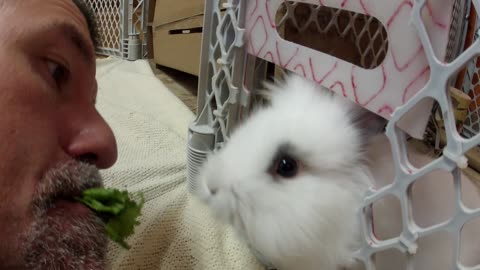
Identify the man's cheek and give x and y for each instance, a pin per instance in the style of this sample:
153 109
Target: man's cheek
17 211
13 232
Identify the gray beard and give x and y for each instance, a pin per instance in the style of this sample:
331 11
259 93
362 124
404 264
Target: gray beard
62 240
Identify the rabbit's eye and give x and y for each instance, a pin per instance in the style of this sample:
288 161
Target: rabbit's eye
286 167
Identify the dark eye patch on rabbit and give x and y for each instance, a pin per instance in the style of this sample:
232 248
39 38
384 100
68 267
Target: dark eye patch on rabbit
285 164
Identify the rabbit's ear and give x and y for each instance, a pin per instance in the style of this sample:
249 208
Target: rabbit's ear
369 123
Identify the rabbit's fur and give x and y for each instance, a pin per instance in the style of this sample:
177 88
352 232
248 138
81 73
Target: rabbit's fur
310 220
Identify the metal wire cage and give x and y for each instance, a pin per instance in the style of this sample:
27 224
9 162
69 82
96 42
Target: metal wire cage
469 84
122 27
229 78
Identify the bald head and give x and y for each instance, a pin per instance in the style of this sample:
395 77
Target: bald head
91 21
10 5
7 3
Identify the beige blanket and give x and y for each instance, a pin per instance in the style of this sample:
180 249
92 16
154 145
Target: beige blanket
150 125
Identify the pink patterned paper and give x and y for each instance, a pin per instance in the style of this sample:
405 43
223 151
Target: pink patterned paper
403 73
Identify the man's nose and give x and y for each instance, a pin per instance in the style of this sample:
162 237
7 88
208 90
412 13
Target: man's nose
94 142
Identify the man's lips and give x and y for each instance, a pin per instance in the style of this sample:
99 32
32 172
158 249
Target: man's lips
70 193
69 207
66 202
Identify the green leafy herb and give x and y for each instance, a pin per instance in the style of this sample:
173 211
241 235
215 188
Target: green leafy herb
118 210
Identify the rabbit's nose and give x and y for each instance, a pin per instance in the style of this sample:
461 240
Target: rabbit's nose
212 188
213 191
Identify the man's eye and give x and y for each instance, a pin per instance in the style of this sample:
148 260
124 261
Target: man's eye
58 72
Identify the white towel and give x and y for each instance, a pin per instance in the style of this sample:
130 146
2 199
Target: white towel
151 124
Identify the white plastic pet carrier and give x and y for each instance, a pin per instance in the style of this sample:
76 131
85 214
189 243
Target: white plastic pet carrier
122 26
388 56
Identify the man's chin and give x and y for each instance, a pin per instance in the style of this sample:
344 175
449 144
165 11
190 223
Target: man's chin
65 234
68 237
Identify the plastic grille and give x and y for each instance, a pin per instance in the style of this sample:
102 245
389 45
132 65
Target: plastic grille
472 88
406 173
122 27
220 81
139 25
334 29
472 122
458 26
109 25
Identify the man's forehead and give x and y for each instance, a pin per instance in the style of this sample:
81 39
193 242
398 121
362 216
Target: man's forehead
7 3
45 10
70 32
66 8
62 16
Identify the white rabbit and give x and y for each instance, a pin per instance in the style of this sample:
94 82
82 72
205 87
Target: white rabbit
292 177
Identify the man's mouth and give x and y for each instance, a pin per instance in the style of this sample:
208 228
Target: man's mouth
65 183
69 207
67 203
70 193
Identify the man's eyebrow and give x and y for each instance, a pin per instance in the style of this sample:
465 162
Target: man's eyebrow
74 36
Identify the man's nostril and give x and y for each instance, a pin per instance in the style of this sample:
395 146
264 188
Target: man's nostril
89 158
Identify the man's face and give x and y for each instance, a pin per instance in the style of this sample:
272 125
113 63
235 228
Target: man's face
48 124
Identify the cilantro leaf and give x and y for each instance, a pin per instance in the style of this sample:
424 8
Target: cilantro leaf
118 210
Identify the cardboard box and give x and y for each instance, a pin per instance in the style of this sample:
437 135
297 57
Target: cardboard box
177 34
178 45
168 11
151 15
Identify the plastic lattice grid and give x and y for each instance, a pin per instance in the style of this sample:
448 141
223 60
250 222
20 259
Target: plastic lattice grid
362 38
220 80
122 27
109 25
472 123
225 68
458 25
139 25
406 174
471 86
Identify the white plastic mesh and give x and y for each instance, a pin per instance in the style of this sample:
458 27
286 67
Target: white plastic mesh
223 79
109 23
406 173
121 24
139 24
220 81
471 86
362 34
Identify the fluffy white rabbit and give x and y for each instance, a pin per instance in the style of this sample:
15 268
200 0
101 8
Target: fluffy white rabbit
292 177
